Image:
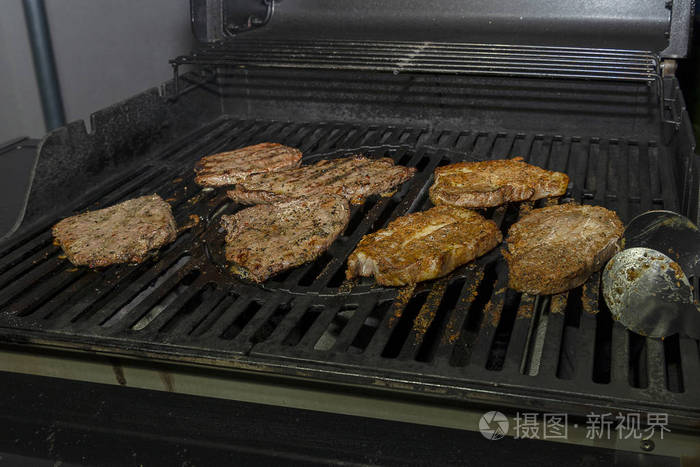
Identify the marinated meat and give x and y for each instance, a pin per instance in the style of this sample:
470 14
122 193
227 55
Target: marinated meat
423 246
123 233
557 248
492 183
264 240
229 168
354 177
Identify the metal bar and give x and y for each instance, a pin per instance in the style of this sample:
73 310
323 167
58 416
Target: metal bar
619 355
164 318
555 328
656 365
481 347
690 354
645 194
585 350
230 315
519 334
446 45
488 70
366 305
44 63
425 58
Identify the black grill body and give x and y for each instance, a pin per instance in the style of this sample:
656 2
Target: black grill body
626 145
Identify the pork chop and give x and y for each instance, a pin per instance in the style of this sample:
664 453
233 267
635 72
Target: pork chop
423 246
354 177
264 240
123 233
492 183
229 168
557 248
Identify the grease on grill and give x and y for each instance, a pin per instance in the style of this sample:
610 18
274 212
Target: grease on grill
589 294
193 221
493 309
558 303
402 298
526 307
427 313
452 330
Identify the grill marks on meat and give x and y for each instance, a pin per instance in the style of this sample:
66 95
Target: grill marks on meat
123 233
423 246
557 248
229 168
264 240
354 177
492 183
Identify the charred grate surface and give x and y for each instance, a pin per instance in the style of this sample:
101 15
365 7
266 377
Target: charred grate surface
465 336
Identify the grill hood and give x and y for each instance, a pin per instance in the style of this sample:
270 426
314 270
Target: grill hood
652 25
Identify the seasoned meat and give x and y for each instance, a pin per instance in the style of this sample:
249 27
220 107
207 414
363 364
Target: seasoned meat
557 248
354 177
229 168
123 233
264 240
423 246
492 183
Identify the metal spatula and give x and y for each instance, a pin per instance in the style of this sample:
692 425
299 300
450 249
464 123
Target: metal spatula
648 293
668 232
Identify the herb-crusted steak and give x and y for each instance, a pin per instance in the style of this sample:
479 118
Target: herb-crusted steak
354 177
557 248
422 246
229 168
123 233
264 240
492 183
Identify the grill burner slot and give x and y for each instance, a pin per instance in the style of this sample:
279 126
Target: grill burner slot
463 333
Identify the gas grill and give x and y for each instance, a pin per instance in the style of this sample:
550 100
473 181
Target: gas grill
589 92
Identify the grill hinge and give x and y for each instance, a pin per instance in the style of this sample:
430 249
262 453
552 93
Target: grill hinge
252 21
668 67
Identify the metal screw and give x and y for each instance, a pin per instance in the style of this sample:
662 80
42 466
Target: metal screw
647 445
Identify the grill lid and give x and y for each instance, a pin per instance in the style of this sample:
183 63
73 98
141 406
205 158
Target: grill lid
654 25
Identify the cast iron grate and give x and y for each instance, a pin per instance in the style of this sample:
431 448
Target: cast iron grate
465 336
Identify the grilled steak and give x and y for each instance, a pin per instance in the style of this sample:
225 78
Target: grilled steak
556 248
423 246
354 177
492 183
229 168
123 233
264 240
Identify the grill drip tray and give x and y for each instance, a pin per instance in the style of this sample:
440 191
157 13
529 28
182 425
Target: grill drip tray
463 337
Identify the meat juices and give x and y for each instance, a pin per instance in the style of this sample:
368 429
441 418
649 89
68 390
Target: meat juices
123 233
492 183
231 167
423 246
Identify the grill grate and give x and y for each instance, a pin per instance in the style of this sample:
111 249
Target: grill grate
430 57
465 336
